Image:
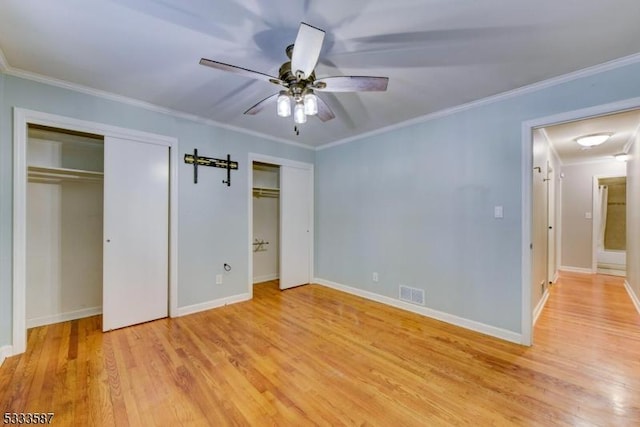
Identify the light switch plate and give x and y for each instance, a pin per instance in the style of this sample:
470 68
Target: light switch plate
498 212
587 215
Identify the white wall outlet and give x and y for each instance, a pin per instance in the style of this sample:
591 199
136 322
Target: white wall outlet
218 279
498 212
375 277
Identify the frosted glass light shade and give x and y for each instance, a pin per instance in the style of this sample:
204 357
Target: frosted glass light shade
593 140
298 113
310 104
284 105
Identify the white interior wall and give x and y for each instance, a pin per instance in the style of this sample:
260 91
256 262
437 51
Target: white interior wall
43 252
64 240
81 260
577 204
266 214
556 200
633 222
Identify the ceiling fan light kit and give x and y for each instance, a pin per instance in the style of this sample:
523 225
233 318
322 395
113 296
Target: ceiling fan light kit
299 116
283 106
298 78
310 104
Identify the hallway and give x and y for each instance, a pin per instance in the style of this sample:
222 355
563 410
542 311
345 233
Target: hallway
591 329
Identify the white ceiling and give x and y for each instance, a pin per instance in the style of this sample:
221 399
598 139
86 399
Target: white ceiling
437 53
623 126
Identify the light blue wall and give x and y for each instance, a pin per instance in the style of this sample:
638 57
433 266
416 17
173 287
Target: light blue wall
213 223
416 204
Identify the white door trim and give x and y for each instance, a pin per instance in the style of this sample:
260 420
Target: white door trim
255 157
595 225
23 117
527 195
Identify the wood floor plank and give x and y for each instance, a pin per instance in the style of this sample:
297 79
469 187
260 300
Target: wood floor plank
315 356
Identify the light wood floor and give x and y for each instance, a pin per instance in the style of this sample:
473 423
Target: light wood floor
315 356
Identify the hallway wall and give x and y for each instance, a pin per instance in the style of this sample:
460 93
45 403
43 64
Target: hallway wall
577 202
633 221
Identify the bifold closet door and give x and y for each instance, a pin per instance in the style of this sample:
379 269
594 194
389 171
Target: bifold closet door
136 233
295 226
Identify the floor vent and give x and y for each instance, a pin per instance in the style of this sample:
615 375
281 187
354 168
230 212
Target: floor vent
413 295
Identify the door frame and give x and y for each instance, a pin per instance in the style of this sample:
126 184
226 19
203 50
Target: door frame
21 119
595 225
527 128
263 158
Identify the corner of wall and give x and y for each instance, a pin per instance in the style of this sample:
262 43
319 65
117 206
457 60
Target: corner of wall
5 351
634 298
4 65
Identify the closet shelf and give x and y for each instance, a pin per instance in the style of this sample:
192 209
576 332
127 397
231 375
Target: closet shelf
50 174
266 192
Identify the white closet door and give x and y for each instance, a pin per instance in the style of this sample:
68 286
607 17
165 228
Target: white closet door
295 226
136 237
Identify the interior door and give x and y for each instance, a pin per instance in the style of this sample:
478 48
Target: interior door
295 226
551 223
539 219
136 233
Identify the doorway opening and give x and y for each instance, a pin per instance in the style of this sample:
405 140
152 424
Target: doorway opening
565 193
280 221
266 222
64 225
74 161
609 225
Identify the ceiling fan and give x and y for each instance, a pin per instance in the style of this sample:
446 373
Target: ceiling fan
298 79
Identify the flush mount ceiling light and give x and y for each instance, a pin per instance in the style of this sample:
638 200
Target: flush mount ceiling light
593 139
622 157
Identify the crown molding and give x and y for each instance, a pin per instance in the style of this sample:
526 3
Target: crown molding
631 140
551 145
27 75
585 72
534 87
592 161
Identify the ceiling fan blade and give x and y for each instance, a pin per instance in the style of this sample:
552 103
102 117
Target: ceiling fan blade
241 71
351 84
324 112
306 49
269 100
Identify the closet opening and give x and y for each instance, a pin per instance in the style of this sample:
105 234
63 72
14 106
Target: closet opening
266 222
610 225
64 225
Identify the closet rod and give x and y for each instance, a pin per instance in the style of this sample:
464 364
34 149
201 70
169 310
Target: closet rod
63 173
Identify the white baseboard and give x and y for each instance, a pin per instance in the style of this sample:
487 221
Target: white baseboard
428 312
63 317
555 277
570 269
612 272
540 306
5 351
634 297
220 302
265 278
